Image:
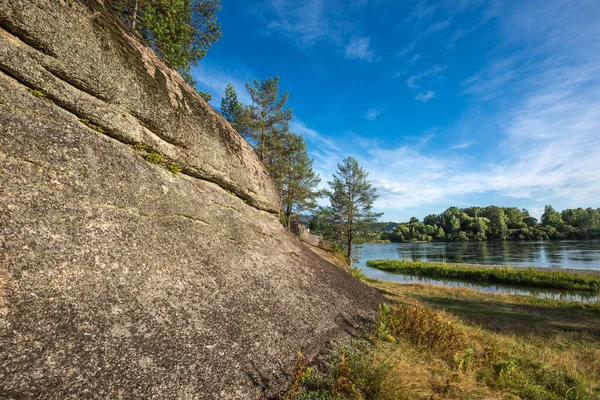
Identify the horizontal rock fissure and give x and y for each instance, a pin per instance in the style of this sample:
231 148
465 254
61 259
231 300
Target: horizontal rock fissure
113 135
18 33
77 85
141 121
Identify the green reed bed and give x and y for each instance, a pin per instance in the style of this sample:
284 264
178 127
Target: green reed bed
508 275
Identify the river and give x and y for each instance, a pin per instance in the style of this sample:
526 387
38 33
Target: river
555 254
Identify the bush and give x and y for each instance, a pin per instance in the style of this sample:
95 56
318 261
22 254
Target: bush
174 168
154 158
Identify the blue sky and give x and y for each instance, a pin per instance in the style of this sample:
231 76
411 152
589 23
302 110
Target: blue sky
446 103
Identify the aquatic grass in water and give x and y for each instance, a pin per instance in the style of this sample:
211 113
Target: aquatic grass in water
507 275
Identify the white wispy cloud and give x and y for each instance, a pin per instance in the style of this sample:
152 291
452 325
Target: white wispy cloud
421 10
359 48
413 81
440 26
311 22
491 9
407 49
496 78
544 79
373 113
461 146
425 96
300 128
414 58
306 23
551 130
407 177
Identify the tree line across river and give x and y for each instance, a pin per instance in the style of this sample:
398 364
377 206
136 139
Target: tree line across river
492 222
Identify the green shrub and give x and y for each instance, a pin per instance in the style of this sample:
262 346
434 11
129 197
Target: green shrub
350 372
357 273
174 168
154 158
39 93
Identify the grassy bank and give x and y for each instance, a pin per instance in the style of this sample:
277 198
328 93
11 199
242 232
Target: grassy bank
508 275
455 343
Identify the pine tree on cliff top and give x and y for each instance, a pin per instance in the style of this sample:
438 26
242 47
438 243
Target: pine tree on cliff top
180 31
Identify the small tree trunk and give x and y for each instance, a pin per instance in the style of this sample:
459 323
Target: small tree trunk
288 215
134 16
350 248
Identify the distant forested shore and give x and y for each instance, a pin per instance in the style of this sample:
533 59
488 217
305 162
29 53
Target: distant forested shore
493 223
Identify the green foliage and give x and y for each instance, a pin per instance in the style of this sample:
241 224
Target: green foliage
530 379
265 125
302 375
155 158
174 168
39 93
233 110
350 371
350 215
551 217
357 273
180 31
205 95
266 120
230 193
524 277
384 324
295 178
338 251
140 146
484 223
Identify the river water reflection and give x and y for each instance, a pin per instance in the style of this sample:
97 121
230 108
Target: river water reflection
560 254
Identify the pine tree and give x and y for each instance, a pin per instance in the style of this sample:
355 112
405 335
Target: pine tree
180 31
233 110
298 181
205 95
266 120
265 124
351 197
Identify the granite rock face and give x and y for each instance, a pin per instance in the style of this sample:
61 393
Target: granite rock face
119 278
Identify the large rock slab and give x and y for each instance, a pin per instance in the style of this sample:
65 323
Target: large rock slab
118 278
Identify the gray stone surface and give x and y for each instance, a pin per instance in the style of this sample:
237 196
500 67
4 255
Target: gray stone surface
118 278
